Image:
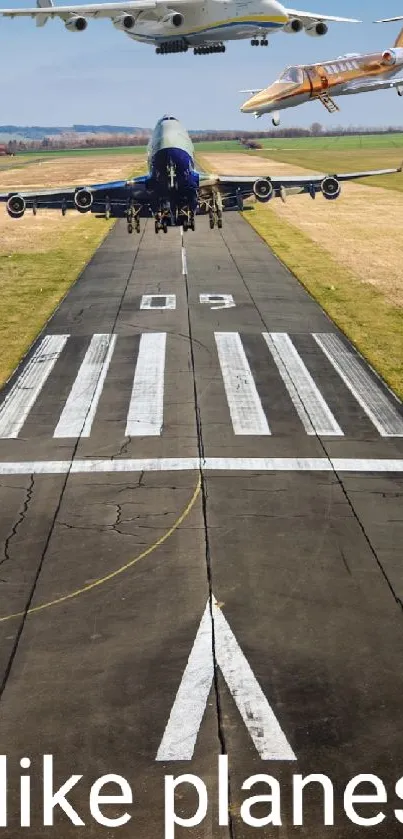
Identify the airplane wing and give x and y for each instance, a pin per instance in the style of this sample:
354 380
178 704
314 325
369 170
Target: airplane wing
389 19
233 189
112 198
366 86
312 17
91 10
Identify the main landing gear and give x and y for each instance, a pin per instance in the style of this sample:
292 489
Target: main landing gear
263 42
209 49
161 220
133 219
172 46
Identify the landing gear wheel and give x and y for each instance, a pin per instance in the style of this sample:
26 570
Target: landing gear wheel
34 210
107 214
185 225
219 223
165 227
64 211
211 220
137 226
156 227
130 227
192 224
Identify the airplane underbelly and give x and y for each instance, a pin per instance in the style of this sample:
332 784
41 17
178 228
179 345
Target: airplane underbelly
152 31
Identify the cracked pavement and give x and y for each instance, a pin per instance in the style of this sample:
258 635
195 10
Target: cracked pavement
307 568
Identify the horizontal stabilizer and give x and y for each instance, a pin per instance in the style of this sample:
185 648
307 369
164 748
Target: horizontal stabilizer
253 91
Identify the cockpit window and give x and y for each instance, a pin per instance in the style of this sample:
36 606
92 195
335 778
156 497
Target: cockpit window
292 74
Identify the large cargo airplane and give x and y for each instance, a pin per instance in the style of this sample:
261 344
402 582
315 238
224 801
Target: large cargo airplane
348 74
175 26
173 192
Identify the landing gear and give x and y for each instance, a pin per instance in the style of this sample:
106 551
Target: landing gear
172 46
276 119
263 42
161 221
133 218
108 209
207 50
186 218
214 208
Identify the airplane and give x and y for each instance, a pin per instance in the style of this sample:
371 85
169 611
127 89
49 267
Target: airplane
176 26
173 191
348 74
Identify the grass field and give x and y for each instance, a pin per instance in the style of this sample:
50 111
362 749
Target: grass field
364 313
40 257
348 253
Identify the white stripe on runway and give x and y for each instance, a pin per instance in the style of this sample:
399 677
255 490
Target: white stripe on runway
243 399
209 464
146 411
378 407
308 401
79 411
25 391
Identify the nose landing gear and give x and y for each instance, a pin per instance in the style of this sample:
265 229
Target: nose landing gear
161 221
186 218
133 219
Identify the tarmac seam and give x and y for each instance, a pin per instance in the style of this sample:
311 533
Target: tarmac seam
209 572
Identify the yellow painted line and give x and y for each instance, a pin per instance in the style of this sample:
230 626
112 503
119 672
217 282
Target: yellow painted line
102 580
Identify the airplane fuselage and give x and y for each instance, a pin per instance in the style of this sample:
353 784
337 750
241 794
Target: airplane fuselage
214 21
173 182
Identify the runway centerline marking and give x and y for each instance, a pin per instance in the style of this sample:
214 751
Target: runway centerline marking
245 407
207 464
102 580
146 410
187 712
306 397
369 395
80 409
25 391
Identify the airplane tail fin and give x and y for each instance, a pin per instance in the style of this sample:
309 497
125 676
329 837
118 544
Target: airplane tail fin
399 39
43 4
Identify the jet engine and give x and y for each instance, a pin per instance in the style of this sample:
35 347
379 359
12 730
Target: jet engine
76 23
316 30
124 22
83 200
173 19
263 190
391 57
293 26
16 206
330 187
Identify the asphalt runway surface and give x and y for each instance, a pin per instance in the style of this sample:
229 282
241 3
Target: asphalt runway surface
201 533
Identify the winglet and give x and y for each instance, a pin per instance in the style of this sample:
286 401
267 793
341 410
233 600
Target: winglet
43 4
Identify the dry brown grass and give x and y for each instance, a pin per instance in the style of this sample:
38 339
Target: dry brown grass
41 256
362 230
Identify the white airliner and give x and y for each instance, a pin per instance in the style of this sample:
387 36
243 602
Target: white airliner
176 26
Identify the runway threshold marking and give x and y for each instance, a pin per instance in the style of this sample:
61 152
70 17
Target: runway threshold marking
307 399
25 391
81 406
146 410
179 739
207 464
245 407
375 403
126 567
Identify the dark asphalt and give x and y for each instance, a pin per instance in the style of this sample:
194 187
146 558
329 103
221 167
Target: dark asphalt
306 566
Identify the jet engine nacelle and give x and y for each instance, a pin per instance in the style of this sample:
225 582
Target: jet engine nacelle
173 19
83 200
16 206
293 26
330 187
263 190
317 30
76 23
391 57
124 22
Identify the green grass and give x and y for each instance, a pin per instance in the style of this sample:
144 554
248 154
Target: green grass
371 322
48 155
32 285
361 141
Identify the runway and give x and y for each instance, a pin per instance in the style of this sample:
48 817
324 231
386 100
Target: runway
201 488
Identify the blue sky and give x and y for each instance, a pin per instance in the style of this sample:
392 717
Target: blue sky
51 76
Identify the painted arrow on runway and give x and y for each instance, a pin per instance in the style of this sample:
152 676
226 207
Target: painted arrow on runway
187 712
